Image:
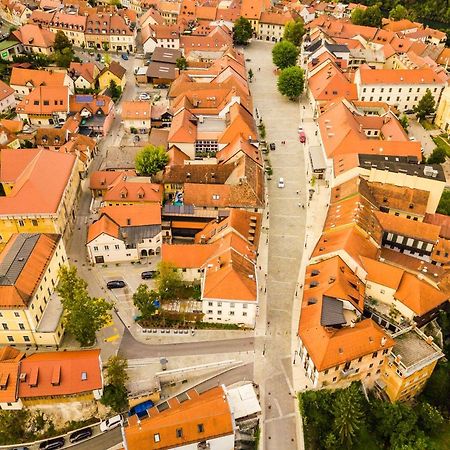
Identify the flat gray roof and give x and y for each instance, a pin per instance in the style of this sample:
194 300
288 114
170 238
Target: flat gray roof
412 348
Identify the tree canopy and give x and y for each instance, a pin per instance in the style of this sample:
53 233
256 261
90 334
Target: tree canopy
181 63
61 41
438 156
242 31
294 31
444 208
284 54
291 82
151 159
399 12
115 393
168 280
426 105
370 17
144 299
83 315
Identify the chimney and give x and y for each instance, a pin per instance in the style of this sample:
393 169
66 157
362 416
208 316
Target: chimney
429 340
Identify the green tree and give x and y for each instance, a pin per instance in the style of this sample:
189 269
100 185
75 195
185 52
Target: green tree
426 105
250 75
64 57
430 419
61 42
348 414
105 46
116 397
284 54
116 371
242 31
398 13
370 17
115 91
291 82
151 159
294 31
168 280
438 156
444 208
181 63
13 426
404 122
115 394
144 300
83 315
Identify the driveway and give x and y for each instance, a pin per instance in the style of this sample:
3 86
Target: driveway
286 234
421 135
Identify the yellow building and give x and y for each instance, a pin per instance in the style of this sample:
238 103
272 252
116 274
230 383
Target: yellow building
443 110
115 72
30 310
41 188
409 365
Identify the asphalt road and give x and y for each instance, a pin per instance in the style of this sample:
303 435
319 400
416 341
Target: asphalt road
241 373
102 441
132 349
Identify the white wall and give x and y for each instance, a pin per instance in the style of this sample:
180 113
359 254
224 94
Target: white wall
106 246
225 311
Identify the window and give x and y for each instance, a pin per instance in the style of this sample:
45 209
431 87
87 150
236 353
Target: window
179 432
34 222
334 379
231 313
21 326
26 338
326 372
219 303
200 428
106 247
374 354
210 303
95 249
156 437
16 314
231 305
210 311
5 326
245 306
21 223
219 312
360 359
117 247
244 314
10 339
370 366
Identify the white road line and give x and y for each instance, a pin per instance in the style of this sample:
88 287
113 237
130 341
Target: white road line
285 257
287 416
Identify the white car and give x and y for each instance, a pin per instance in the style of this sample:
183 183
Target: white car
281 183
144 96
111 423
412 138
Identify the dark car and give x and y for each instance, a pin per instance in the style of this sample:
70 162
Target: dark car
20 448
148 275
125 56
272 146
52 444
115 284
161 86
80 435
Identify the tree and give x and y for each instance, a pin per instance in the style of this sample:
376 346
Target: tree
430 419
151 159
62 42
13 426
181 63
370 17
64 57
115 91
115 393
426 105
168 280
250 75
105 46
348 414
83 315
116 371
116 397
404 122
438 156
294 31
444 208
242 31
284 54
398 13
144 300
291 82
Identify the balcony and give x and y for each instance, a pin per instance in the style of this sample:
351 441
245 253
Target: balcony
346 373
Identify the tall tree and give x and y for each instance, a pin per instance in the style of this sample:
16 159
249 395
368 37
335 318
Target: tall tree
144 299
291 82
398 13
426 105
151 159
438 156
242 31
370 17
115 393
168 280
61 42
294 31
181 63
83 315
348 414
284 54
116 371
404 122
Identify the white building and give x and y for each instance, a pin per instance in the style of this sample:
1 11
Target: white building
402 88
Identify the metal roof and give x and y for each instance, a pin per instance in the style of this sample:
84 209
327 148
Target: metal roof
332 312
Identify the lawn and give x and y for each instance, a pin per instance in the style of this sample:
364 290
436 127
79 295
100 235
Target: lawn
441 142
428 125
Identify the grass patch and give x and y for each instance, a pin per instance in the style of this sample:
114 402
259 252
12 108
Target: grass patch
428 125
441 142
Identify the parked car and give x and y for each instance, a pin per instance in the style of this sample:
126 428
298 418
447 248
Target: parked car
148 274
272 146
80 435
144 96
20 448
124 56
141 409
98 57
281 183
302 136
115 284
52 444
161 86
412 138
111 423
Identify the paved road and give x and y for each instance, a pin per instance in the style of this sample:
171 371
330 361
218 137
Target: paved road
286 233
132 349
102 441
421 135
241 373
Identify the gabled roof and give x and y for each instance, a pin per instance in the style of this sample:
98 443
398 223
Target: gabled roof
23 263
187 256
9 373
238 147
136 110
134 189
87 70
101 179
45 100
35 36
5 90
382 273
104 225
116 69
134 215
398 76
60 373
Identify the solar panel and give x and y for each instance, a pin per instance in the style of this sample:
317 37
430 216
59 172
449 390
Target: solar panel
84 98
100 102
162 406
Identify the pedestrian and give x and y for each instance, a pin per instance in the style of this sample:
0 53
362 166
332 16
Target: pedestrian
259 69
299 205
296 192
303 206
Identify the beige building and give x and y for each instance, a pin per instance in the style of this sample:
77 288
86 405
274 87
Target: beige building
443 110
30 310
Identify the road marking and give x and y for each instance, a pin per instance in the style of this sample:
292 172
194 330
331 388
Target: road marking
284 257
112 338
273 419
285 235
109 323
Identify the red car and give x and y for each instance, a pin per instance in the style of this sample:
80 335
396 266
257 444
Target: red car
302 136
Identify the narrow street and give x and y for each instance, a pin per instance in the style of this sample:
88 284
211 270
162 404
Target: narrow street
273 370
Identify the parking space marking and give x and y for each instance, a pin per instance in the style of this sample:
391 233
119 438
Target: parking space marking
112 338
